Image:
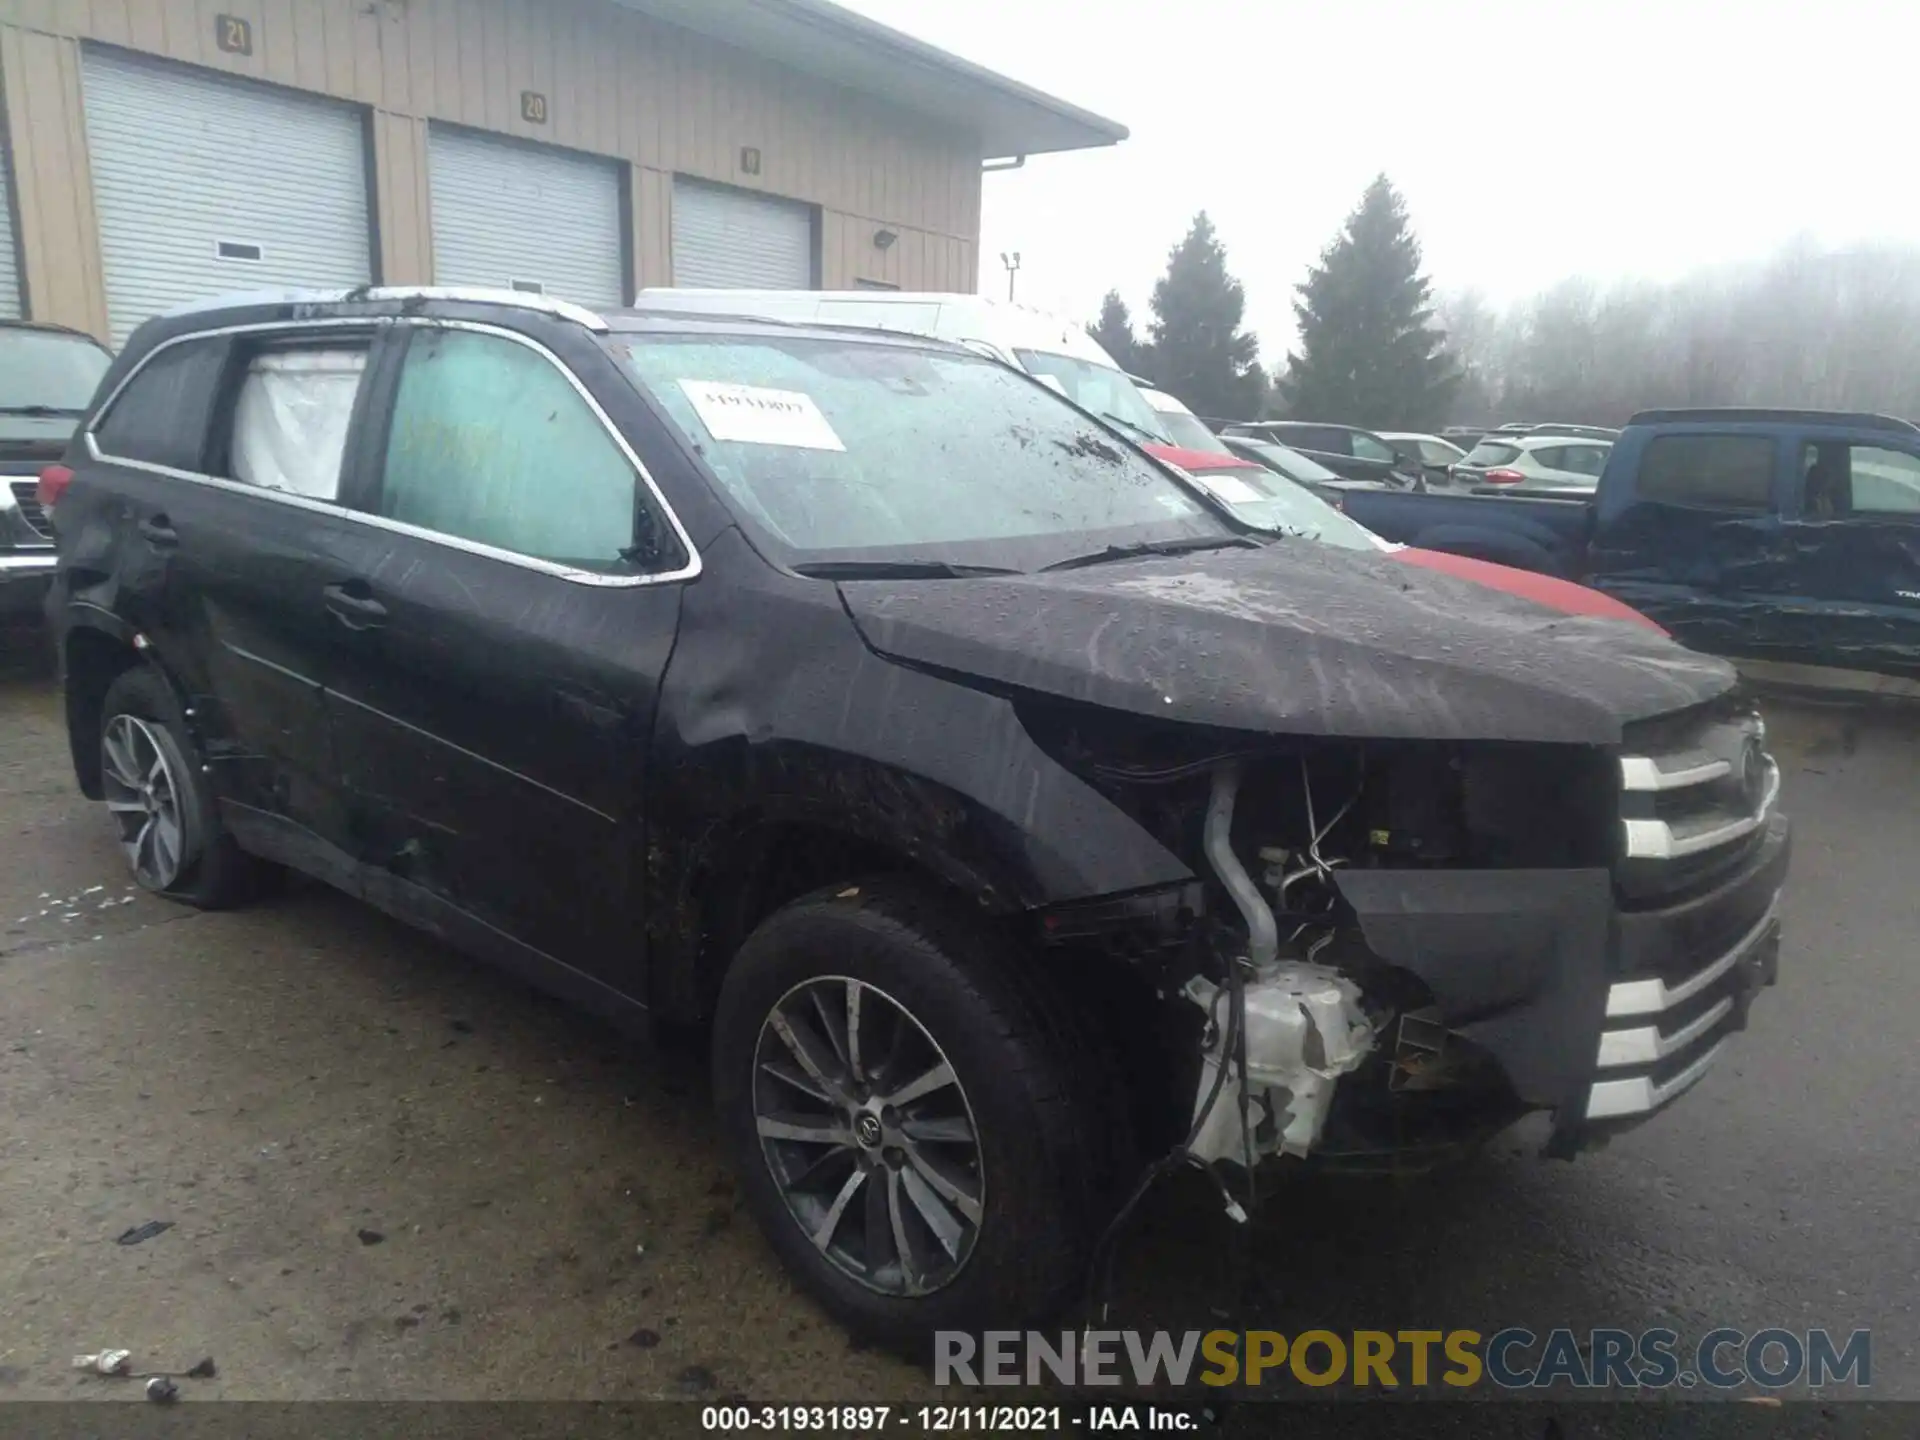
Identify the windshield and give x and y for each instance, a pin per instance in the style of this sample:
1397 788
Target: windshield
1099 388
1190 434
1289 462
843 449
44 369
1274 503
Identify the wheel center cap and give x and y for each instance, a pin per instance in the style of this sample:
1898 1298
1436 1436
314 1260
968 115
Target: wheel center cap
866 1129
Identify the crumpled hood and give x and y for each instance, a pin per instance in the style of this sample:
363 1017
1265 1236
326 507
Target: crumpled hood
1297 638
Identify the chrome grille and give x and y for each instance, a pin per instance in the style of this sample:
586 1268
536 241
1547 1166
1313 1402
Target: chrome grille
26 496
1696 791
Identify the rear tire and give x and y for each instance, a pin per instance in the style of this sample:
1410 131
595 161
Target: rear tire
993 1183
168 821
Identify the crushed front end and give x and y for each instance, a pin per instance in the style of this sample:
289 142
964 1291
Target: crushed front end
1398 948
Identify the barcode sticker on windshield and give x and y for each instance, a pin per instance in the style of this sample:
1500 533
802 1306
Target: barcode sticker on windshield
751 415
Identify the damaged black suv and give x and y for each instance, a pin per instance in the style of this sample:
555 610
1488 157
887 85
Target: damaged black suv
1012 817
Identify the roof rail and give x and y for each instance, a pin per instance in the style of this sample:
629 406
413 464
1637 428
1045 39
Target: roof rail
1738 414
375 294
1581 432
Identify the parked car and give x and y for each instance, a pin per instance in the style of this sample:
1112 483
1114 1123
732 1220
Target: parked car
1291 464
1055 350
1356 454
47 377
859 699
1266 500
1435 457
1534 462
1184 428
1788 540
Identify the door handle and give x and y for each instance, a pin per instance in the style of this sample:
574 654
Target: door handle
158 532
354 606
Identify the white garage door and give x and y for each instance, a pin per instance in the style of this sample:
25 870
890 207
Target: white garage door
527 217
9 251
732 239
207 185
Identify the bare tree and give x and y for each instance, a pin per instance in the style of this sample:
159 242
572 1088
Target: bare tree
1826 328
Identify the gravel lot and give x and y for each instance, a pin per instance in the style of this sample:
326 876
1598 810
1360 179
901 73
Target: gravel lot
392 1174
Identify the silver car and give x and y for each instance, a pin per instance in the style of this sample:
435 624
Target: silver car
1534 462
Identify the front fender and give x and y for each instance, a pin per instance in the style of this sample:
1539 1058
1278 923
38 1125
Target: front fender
774 712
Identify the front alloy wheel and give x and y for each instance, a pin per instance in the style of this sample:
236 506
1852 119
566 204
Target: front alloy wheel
143 795
869 1136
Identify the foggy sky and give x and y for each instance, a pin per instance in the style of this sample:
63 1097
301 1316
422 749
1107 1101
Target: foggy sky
1533 139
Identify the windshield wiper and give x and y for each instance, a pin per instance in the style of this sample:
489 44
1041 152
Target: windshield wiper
1157 547
896 570
57 412
1145 436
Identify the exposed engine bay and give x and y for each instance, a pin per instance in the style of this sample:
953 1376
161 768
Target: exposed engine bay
1309 1042
1279 1034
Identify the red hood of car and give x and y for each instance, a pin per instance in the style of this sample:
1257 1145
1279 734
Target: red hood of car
1561 595
1197 459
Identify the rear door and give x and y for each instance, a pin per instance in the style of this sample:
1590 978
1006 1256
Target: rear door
224 461
1688 530
508 636
1853 538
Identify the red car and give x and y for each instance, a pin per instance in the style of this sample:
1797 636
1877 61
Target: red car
1268 501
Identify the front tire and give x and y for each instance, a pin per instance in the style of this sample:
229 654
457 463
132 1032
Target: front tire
162 807
903 1102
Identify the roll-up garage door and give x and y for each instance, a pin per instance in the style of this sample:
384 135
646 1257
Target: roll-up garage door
207 185
9 245
734 239
523 216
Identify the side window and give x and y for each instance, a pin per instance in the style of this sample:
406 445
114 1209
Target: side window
1365 447
1709 472
1550 457
1885 482
491 443
1586 459
291 415
161 416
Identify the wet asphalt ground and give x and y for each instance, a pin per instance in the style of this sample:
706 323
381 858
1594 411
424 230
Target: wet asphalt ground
392 1174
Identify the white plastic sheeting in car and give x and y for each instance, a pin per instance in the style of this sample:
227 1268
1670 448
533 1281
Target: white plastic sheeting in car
290 426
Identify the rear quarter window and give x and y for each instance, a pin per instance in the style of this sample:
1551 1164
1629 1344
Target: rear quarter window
1709 472
160 418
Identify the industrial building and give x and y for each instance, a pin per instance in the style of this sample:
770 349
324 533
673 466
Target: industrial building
159 151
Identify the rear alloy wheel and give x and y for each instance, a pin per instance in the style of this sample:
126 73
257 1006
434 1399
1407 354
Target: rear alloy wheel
163 810
867 1131
143 796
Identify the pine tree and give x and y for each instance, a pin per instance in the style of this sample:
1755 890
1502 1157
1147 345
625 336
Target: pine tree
1197 349
1369 353
1114 332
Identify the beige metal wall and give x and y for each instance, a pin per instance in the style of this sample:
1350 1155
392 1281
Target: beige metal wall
616 83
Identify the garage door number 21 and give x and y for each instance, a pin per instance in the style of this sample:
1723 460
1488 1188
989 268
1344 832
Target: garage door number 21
233 34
